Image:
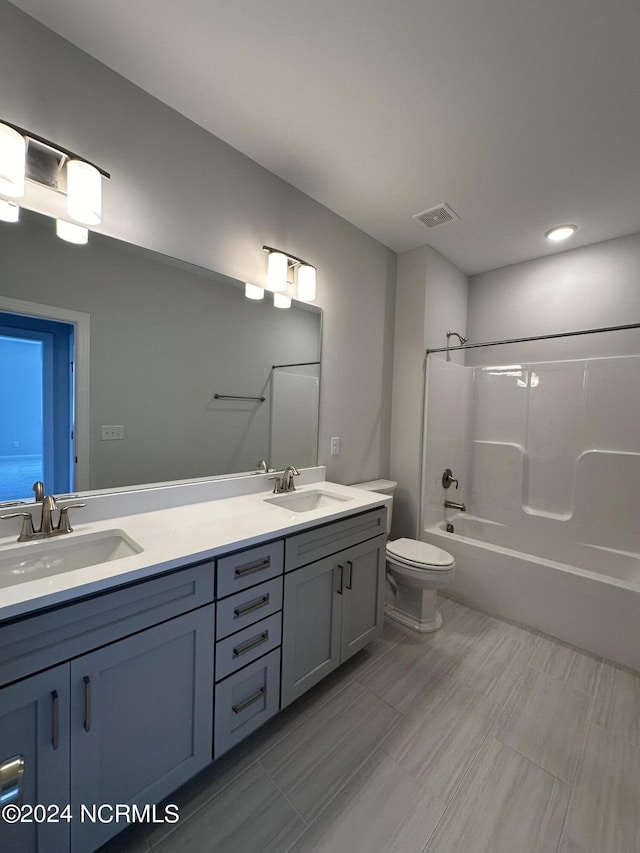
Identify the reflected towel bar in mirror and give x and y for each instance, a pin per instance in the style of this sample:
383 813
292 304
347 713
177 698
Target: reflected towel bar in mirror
234 397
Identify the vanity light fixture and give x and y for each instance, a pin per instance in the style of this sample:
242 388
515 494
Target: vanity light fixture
71 232
9 211
54 171
284 269
13 150
253 291
281 300
561 232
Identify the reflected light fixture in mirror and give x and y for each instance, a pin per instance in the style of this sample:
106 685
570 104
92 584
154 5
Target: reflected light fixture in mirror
281 300
9 211
71 232
253 291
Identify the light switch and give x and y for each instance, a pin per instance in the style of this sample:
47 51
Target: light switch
112 433
335 445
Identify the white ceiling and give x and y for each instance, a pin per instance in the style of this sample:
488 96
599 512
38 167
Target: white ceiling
520 114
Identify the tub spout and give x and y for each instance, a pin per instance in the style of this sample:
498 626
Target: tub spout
454 505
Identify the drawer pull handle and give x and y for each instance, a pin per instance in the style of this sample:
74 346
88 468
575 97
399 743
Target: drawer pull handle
251 644
256 567
87 703
55 719
237 709
249 608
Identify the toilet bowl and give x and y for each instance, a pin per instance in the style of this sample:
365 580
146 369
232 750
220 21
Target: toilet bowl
415 572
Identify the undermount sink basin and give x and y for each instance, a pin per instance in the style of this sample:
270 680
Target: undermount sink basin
36 560
307 501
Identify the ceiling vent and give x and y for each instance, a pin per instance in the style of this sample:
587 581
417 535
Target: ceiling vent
442 214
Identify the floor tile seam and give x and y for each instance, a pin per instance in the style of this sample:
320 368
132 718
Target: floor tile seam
401 715
563 681
306 717
615 734
462 781
203 805
536 764
275 784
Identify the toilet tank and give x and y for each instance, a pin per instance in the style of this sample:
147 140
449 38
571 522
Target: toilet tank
382 487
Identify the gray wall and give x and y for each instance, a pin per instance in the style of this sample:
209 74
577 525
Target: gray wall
179 190
431 298
583 288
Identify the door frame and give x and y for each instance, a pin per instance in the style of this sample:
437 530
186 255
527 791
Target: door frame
81 372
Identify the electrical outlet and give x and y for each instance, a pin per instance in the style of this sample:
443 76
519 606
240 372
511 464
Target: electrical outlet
111 433
335 445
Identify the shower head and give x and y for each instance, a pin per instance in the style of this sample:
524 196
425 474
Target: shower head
460 337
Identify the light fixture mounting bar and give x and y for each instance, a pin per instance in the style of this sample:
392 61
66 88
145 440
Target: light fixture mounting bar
70 155
288 254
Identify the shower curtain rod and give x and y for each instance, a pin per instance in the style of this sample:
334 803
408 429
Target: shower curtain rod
536 338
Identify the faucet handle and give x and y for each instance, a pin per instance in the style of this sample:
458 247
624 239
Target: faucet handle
64 522
277 486
26 531
448 478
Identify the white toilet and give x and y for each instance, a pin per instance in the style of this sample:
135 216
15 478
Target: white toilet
415 571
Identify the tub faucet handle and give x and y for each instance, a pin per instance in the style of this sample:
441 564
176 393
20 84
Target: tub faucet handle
448 478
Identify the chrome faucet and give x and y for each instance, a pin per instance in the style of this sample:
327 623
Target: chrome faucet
47 528
285 482
454 505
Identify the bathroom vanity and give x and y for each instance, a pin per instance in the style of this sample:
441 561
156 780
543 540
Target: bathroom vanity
128 679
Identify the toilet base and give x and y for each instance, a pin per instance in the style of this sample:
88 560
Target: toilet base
427 626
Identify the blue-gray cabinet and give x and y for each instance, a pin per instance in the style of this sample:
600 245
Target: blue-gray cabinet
332 608
125 724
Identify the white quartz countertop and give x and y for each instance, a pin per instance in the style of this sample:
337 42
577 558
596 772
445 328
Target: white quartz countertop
170 538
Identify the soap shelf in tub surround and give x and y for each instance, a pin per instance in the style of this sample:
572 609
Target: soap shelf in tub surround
198 633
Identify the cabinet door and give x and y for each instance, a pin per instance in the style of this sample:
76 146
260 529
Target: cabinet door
312 611
34 758
363 605
141 713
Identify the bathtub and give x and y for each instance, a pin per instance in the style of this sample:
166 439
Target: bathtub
590 599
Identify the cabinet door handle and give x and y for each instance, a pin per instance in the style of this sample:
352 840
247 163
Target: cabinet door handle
87 703
251 644
341 570
255 567
55 719
350 581
250 701
249 608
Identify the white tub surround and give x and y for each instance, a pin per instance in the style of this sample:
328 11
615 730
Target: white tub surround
199 527
547 455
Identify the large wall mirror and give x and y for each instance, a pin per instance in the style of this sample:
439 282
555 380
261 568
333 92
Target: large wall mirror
198 380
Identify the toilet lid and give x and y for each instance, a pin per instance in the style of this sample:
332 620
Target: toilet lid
417 553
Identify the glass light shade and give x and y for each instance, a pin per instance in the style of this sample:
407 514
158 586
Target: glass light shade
84 192
71 232
277 271
561 232
253 291
9 211
13 151
306 283
280 300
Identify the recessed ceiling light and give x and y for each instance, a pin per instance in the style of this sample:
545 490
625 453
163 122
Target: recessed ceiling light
561 232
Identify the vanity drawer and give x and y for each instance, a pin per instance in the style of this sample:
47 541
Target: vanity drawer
46 638
245 701
321 542
248 645
239 611
247 568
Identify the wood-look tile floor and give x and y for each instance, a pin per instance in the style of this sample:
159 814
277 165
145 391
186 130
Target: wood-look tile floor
485 737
